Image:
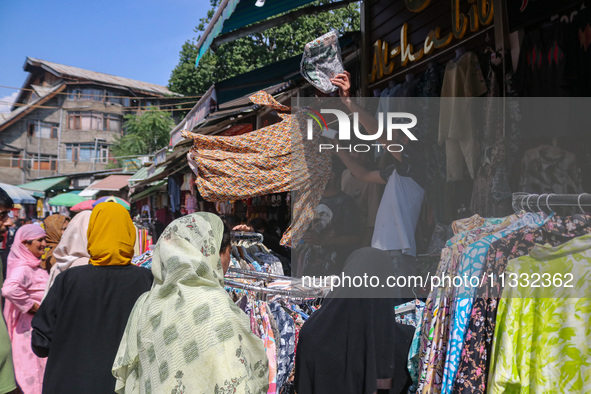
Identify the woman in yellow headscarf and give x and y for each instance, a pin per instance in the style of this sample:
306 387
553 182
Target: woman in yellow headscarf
81 321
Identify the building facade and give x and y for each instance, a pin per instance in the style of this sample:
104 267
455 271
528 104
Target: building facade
65 120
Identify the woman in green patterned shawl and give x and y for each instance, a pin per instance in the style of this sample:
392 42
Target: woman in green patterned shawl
186 335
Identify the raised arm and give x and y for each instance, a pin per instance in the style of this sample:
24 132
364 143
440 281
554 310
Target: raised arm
368 120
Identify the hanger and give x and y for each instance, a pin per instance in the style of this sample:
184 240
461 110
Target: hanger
579 202
547 204
538 203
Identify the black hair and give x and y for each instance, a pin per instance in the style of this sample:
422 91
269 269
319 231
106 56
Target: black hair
226 239
5 200
258 224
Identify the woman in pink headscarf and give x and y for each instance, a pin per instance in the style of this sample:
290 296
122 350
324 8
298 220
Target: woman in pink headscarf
23 290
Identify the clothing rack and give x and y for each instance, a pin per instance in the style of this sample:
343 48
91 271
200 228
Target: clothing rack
258 275
537 202
265 290
432 58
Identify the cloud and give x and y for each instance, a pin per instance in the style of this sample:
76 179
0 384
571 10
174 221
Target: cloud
6 102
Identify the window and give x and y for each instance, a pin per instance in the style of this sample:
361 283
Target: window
43 162
84 153
43 130
95 94
9 160
94 121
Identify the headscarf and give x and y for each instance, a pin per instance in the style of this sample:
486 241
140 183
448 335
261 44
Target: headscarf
19 253
111 235
53 227
186 332
350 343
72 250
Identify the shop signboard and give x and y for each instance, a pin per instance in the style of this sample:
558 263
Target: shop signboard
466 16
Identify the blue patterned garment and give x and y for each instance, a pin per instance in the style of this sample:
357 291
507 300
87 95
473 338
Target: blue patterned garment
471 265
413 318
286 326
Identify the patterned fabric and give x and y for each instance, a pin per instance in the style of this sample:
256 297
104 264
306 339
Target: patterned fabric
274 159
474 364
471 266
268 337
491 194
439 304
413 318
321 61
543 335
144 260
286 342
187 325
550 169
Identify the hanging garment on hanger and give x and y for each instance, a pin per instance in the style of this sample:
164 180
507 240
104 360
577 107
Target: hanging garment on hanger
274 159
457 127
542 336
412 317
439 305
471 265
481 327
550 169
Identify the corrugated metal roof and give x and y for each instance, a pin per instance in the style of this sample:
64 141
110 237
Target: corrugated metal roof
62 70
112 183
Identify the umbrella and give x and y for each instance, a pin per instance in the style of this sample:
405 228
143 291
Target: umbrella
113 199
83 206
66 200
18 195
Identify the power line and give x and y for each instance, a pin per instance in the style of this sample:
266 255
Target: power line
106 110
102 95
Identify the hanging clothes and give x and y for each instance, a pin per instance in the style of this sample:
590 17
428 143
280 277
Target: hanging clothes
474 365
471 265
550 169
543 335
274 159
439 305
457 127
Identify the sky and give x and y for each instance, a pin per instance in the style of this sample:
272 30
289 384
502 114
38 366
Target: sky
137 39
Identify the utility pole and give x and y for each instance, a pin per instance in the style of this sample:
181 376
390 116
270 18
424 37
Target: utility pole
38 131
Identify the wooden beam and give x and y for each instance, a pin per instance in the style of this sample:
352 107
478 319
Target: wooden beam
265 25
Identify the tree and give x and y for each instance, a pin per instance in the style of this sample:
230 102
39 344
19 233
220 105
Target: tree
145 133
260 49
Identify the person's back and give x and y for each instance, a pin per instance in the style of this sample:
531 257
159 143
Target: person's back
82 319
92 305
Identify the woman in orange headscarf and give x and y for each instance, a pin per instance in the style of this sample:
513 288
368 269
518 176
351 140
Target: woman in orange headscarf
55 225
81 320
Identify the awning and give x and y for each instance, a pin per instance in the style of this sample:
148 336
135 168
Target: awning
149 191
90 191
112 183
42 185
18 195
144 173
234 14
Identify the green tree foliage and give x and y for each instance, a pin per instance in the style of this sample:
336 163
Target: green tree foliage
257 50
145 133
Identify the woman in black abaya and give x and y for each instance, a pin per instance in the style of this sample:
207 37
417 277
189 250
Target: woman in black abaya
352 344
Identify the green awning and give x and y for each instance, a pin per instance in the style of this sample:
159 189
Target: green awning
149 191
144 173
42 185
234 14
